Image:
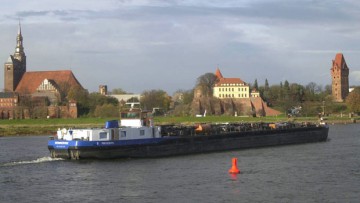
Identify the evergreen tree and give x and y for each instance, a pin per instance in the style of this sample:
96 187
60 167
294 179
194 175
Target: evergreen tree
256 85
266 85
286 85
266 93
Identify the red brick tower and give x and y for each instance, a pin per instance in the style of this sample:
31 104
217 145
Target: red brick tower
340 78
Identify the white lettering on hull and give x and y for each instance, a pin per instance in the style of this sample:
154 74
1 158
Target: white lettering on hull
61 142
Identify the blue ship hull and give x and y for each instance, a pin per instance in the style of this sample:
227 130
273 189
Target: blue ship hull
174 145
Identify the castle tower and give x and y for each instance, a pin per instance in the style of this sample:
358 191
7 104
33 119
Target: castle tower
15 66
340 78
103 89
218 74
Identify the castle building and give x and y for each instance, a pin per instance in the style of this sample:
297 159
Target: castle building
41 86
340 78
230 87
232 96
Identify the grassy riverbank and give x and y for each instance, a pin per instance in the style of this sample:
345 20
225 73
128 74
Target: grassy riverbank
49 126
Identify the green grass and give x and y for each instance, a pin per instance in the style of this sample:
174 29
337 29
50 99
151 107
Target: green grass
215 119
46 126
49 126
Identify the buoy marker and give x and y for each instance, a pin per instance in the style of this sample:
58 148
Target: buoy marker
234 169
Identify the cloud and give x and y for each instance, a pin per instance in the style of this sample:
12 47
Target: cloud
355 77
157 39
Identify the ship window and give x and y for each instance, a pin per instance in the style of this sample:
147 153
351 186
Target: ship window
142 132
123 133
103 135
130 115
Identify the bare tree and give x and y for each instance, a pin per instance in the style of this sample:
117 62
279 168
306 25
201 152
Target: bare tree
206 82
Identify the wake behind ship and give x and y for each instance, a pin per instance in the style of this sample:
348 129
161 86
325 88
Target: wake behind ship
137 137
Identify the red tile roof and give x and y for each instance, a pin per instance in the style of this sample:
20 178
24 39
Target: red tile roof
218 73
31 80
229 81
340 61
222 80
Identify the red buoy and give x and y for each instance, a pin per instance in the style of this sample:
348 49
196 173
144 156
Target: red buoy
234 169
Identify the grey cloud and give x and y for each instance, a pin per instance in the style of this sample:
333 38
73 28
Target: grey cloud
32 13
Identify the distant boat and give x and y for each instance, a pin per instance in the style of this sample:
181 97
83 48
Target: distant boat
138 137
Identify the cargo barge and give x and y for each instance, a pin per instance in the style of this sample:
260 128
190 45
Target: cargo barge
136 137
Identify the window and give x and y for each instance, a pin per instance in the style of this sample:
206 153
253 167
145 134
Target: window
123 133
142 132
103 135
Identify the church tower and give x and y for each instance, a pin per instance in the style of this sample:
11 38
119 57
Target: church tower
15 66
340 78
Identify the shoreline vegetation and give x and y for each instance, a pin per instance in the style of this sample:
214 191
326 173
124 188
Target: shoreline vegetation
32 127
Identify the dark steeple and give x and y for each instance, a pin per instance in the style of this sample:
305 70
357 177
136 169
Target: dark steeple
15 66
19 50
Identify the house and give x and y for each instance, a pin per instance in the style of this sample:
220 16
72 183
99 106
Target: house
230 87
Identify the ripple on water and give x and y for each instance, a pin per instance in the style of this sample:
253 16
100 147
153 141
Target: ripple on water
36 161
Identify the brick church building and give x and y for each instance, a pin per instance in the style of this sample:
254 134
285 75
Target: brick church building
25 92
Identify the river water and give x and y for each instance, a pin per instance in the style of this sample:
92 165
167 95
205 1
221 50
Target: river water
317 172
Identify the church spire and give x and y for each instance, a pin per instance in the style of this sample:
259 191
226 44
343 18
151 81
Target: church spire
19 50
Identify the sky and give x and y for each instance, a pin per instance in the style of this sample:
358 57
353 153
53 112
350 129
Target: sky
139 45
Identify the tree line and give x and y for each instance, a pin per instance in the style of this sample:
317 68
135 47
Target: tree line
312 99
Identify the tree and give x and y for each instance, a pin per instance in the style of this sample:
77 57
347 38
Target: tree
155 99
265 92
64 88
182 102
206 82
81 96
106 110
286 85
96 99
133 99
256 86
118 91
310 88
186 97
266 85
353 100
